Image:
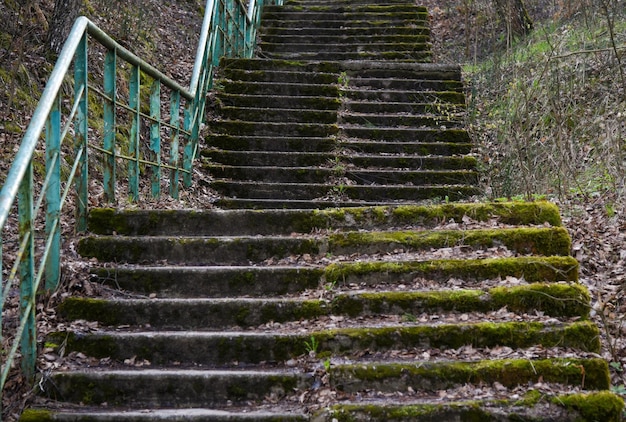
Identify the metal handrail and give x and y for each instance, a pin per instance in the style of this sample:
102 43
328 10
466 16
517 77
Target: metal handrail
228 29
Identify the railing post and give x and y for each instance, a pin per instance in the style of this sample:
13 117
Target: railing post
135 104
110 82
189 151
174 155
81 130
28 344
53 194
155 136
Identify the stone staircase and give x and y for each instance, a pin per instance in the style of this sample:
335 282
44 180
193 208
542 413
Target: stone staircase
321 288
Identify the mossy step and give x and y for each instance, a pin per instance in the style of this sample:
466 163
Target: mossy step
352 69
269 158
165 415
281 76
535 406
243 128
411 148
288 17
316 175
244 222
409 85
407 56
347 3
273 143
348 39
224 348
171 388
390 120
523 240
263 114
299 191
279 101
197 250
345 8
432 97
308 159
228 250
410 135
340 32
591 374
413 162
287 46
277 88
400 107
225 281
211 281
415 178
310 204
530 269
395 72
557 300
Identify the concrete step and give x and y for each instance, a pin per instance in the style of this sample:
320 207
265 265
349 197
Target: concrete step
172 388
283 115
279 101
338 32
134 222
353 17
296 38
289 46
270 88
246 128
430 97
273 143
324 175
278 76
411 148
405 85
391 120
228 281
242 250
396 134
245 348
407 56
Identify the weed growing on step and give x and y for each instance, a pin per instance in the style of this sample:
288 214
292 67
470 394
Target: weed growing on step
311 346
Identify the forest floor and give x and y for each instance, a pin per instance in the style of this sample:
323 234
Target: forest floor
166 33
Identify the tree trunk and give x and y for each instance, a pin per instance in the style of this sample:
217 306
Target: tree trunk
63 17
514 13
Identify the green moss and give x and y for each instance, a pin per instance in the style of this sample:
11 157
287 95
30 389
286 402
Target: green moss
107 221
531 269
579 335
587 373
599 406
553 299
36 415
538 241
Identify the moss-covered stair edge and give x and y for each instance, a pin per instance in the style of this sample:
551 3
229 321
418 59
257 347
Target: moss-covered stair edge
581 407
558 300
141 222
531 269
590 374
582 336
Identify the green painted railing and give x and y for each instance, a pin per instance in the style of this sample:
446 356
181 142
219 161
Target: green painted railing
116 113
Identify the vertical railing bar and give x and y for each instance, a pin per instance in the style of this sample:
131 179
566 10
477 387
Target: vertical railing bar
155 136
174 143
110 132
134 103
82 127
53 194
28 342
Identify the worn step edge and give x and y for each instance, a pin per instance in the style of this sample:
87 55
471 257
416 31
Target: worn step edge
534 405
263 281
277 221
171 388
161 414
362 192
224 348
591 374
557 300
